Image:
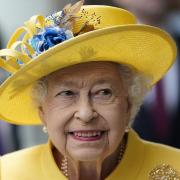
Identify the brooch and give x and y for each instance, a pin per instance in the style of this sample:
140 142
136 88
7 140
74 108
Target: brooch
164 172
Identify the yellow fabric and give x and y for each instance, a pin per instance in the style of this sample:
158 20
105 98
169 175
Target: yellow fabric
140 158
23 45
118 39
9 67
17 34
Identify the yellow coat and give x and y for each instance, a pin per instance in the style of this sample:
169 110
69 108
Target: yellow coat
142 160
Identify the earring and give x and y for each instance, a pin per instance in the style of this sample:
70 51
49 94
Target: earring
127 129
44 129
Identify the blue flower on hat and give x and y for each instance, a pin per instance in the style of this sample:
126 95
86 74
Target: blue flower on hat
48 38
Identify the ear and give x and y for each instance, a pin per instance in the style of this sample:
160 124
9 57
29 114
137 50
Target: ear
41 115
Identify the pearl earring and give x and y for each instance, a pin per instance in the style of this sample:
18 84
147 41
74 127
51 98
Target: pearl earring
44 129
127 129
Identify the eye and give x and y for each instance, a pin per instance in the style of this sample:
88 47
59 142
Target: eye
67 93
104 92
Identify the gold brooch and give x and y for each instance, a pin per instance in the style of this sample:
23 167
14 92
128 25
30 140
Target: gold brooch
164 172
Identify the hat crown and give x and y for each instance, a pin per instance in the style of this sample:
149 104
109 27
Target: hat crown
103 17
89 18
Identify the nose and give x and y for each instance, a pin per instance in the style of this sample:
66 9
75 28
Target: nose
85 111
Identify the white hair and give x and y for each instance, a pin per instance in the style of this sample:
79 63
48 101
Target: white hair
136 83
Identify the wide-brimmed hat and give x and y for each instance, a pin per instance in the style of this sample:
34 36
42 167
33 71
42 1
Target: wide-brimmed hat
77 34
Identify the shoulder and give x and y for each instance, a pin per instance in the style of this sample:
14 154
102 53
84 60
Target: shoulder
152 151
158 148
161 153
160 160
24 154
148 160
21 162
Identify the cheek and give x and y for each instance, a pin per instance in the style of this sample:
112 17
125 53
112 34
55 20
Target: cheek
115 115
56 120
116 118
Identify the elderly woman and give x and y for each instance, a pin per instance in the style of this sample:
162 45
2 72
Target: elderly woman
83 73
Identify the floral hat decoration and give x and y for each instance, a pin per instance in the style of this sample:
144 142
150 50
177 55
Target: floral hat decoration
77 34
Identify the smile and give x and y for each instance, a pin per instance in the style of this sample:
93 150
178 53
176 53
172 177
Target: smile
87 135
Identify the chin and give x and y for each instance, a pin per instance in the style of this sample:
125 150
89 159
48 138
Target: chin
87 154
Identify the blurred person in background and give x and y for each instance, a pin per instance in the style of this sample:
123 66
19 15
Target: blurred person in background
158 119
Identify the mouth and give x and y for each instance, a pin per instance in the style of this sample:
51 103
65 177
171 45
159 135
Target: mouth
91 135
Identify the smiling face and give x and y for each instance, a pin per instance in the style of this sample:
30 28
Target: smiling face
86 110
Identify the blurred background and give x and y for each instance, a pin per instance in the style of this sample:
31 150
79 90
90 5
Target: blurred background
159 117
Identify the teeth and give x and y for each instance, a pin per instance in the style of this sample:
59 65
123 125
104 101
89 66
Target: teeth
87 134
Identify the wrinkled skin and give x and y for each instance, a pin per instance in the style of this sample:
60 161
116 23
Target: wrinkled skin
89 96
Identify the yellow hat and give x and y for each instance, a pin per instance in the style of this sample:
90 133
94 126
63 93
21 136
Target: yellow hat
77 35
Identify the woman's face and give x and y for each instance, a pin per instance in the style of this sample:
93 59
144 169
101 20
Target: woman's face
86 110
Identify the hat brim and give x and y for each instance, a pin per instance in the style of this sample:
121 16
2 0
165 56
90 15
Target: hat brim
147 49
